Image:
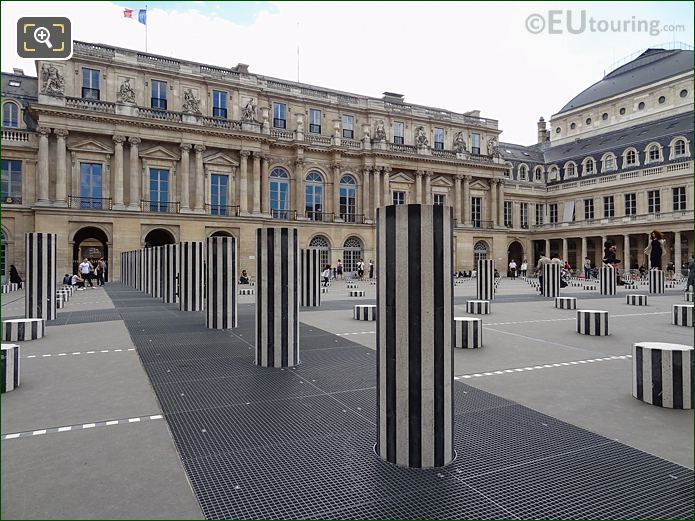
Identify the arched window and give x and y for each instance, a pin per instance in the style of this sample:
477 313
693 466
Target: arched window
10 115
479 252
553 175
538 175
348 198
321 243
522 172
280 193
654 153
570 170
313 196
589 167
631 158
679 148
352 252
609 163
508 172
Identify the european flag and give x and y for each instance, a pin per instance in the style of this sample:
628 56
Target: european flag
142 16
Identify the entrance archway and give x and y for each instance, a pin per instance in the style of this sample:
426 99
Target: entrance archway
480 252
516 252
92 243
219 233
159 237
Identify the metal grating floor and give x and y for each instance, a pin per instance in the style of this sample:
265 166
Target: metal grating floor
298 443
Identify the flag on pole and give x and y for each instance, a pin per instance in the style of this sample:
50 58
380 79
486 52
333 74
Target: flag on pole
141 15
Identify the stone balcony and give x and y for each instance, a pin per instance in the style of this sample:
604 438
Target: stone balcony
15 137
670 217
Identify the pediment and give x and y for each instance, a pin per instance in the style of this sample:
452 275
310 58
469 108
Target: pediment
479 185
220 159
90 145
159 152
400 177
440 180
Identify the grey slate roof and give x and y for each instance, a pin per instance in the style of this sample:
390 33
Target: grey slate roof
520 153
27 90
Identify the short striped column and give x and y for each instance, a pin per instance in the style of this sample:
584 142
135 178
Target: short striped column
415 322
468 332
636 300
351 285
662 374
9 360
22 329
277 298
485 280
607 280
60 302
478 307
656 281
221 297
364 312
682 315
566 302
324 290
64 294
170 273
40 284
191 276
356 293
310 274
592 322
551 280
688 297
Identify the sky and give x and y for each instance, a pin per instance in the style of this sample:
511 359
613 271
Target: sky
459 56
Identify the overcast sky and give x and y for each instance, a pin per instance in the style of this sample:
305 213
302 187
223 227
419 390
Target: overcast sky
459 56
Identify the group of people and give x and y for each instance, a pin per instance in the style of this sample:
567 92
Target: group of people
87 272
337 272
517 270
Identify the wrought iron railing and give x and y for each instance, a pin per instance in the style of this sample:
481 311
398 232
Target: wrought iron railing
222 211
159 206
284 215
355 218
89 203
320 216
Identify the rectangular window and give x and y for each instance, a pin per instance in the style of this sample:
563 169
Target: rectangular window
398 197
90 185
348 124
523 215
11 181
540 214
475 143
398 132
159 94
679 199
608 206
508 222
552 208
279 115
630 204
438 139
90 83
588 209
219 104
314 121
654 201
477 211
218 194
440 199
159 190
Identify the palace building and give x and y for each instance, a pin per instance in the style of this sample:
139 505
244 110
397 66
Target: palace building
117 149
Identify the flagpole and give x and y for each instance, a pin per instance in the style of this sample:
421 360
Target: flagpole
145 27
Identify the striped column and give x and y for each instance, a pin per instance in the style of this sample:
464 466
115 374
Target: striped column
356 293
607 282
688 296
662 374
682 315
592 322
566 302
170 273
22 329
277 298
364 312
656 281
478 307
415 329
149 271
138 270
636 300
157 271
40 284
191 276
485 280
9 363
551 280
310 274
468 332
221 297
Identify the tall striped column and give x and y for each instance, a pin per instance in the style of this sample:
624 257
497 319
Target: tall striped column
138 270
551 280
485 279
123 267
170 273
221 277
656 281
148 270
157 271
277 297
191 276
415 330
607 282
40 283
131 269
310 275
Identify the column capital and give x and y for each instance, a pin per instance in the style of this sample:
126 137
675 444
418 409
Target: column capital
419 173
244 153
199 149
299 162
266 159
427 173
335 164
61 133
43 131
118 139
185 147
387 169
459 177
134 141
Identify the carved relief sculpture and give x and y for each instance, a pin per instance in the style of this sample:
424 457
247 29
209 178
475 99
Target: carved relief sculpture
459 143
191 104
420 137
380 131
52 80
248 114
493 147
126 94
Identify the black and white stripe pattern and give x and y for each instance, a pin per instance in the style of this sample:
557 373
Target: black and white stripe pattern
191 276
157 271
247 291
478 307
551 279
356 293
22 329
65 295
485 279
324 290
688 297
656 281
351 285
310 273
566 302
277 299
592 322
60 302
468 332
662 374
148 271
415 326
682 315
364 312
139 270
170 273
40 285
607 281
10 367
8 288
221 297
636 300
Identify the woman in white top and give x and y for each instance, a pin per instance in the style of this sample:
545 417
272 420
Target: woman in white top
524 268
512 269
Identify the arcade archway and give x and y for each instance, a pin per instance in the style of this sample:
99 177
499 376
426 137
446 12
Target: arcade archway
91 243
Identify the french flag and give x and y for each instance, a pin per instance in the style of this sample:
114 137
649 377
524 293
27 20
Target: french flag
141 15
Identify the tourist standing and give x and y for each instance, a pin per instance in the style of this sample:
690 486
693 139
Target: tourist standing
689 283
655 249
86 270
339 270
587 268
539 270
326 275
512 269
100 272
360 269
524 267
371 269
14 275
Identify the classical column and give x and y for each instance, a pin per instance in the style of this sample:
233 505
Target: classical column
500 202
243 187
457 200
43 166
199 179
61 167
190 276
414 379
493 202
185 177
387 198
377 188
134 200
564 249
264 196
257 183
221 295
547 247
677 253
118 172
428 187
626 252
466 207
366 210
584 252
299 198
40 275
336 191
418 186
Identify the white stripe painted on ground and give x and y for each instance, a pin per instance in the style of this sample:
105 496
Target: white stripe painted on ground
72 428
79 353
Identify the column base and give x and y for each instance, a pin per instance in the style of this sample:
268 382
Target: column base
198 210
119 206
60 204
43 202
185 210
133 208
244 213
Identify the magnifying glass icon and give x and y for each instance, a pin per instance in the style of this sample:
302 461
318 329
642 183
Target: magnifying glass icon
42 35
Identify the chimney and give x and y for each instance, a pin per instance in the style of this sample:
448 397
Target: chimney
20 72
542 131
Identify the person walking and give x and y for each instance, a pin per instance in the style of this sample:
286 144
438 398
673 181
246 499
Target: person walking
524 267
360 269
689 283
512 269
371 269
587 268
339 270
326 274
655 249
539 270
86 270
